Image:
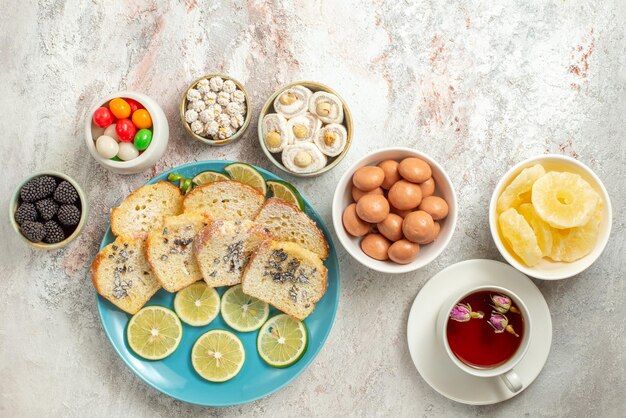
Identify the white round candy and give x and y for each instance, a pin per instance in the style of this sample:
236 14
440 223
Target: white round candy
193 94
233 108
224 120
215 110
106 146
191 116
225 132
127 151
223 98
210 98
211 128
204 89
110 131
197 127
203 82
197 105
236 121
238 96
206 116
229 86
216 83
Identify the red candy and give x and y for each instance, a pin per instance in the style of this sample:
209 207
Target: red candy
102 117
125 130
134 105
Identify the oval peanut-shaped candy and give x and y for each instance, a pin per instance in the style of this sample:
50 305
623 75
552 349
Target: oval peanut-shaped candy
368 178
354 225
414 170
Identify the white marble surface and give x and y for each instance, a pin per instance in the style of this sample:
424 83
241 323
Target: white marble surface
478 84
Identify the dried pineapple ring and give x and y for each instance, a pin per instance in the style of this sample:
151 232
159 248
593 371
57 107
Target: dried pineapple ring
292 101
542 230
575 243
564 200
520 236
518 191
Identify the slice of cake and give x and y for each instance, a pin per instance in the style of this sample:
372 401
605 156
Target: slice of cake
287 276
223 249
122 275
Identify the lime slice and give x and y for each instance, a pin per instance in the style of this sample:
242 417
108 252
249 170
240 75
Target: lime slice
245 173
197 304
218 355
242 312
285 191
209 176
282 341
154 332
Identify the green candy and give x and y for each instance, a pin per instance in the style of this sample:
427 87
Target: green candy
185 185
142 140
116 158
174 177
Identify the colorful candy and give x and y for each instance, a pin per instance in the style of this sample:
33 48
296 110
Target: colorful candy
128 129
125 130
107 147
110 131
134 105
120 108
102 117
127 151
142 140
141 118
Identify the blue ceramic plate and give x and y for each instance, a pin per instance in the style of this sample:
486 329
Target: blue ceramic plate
175 375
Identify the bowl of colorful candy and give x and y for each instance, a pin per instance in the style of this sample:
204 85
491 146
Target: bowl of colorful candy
48 210
127 132
215 109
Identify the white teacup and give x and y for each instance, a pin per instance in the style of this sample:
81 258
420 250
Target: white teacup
506 370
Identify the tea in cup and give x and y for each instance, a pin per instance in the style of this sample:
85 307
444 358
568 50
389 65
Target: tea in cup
486 333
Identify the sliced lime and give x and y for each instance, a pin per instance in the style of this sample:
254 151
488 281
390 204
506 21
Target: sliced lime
197 304
282 341
242 312
154 332
285 191
245 173
218 355
209 176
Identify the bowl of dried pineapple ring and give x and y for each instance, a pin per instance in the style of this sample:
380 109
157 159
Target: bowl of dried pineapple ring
305 128
550 217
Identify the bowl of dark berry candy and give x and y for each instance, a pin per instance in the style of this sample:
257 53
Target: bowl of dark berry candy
48 210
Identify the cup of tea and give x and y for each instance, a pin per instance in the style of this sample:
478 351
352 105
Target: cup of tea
486 332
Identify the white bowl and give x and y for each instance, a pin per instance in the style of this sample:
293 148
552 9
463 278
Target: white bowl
548 269
156 149
343 197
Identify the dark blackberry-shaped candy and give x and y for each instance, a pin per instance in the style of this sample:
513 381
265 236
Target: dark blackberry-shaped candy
25 212
33 231
47 208
68 215
54 233
38 188
65 193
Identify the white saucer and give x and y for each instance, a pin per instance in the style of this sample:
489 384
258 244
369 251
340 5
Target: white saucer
430 359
